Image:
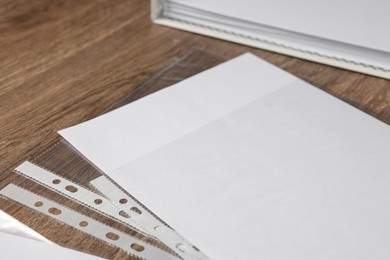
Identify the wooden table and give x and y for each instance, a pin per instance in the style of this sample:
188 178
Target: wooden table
63 62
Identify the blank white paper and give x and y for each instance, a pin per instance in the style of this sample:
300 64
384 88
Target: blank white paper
123 135
10 225
19 241
292 173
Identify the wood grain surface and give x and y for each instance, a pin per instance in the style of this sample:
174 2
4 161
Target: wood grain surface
63 62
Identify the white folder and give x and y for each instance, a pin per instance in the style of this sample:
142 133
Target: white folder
347 34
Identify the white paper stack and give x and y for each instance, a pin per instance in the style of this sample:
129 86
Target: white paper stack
249 162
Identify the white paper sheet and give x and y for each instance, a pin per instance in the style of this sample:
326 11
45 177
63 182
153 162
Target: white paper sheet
291 173
15 247
10 225
32 245
147 124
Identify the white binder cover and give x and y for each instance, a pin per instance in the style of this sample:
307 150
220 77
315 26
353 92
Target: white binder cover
249 162
348 34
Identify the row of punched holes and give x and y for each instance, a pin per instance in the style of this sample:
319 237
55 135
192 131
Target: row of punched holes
73 189
109 235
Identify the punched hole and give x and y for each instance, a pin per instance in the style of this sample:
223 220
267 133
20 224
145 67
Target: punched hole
98 201
123 201
124 214
112 236
136 210
56 181
55 211
83 223
137 247
181 247
71 188
38 204
158 228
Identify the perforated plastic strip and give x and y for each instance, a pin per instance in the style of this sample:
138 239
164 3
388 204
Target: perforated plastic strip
154 226
118 202
84 223
78 193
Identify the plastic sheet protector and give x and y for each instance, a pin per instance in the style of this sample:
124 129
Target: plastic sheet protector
249 162
52 197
